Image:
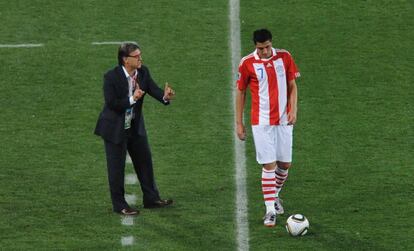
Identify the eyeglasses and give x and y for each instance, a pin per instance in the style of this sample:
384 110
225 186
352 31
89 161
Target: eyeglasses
136 56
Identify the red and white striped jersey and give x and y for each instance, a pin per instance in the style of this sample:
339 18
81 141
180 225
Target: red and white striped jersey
268 79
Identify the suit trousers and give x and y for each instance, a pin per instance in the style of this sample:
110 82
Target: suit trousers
140 153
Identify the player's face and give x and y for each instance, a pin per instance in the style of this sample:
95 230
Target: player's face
134 59
264 50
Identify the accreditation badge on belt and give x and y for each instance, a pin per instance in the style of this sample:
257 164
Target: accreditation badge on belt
128 118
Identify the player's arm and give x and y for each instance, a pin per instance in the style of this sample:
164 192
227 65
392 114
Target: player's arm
292 101
240 100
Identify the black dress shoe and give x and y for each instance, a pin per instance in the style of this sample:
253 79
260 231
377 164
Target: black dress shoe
129 211
158 204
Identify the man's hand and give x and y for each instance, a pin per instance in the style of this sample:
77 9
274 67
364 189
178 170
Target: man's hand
241 131
291 118
138 93
169 93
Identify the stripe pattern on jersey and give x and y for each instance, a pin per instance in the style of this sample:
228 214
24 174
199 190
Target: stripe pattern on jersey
268 80
271 75
279 68
264 105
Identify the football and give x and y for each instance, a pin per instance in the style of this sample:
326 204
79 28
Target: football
297 225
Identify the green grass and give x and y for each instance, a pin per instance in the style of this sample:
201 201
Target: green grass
353 145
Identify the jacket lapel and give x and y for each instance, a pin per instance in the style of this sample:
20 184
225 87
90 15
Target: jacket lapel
123 80
140 79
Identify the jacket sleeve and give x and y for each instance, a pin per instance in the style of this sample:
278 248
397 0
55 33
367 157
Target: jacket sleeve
154 90
113 99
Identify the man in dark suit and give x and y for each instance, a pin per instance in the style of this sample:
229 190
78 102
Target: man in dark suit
121 125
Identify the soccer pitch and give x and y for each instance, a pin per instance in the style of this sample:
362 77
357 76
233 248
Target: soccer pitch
353 146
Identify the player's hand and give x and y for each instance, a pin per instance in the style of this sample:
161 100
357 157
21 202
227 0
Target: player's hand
138 93
169 93
241 131
291 118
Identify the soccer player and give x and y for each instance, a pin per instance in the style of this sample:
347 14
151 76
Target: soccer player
270 73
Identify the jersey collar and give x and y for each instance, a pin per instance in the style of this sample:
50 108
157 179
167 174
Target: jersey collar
256 56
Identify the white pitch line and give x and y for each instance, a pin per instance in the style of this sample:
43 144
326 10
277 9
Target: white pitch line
239 146
127 220
112 42
128 159
131 179
127 240
131 199
20 45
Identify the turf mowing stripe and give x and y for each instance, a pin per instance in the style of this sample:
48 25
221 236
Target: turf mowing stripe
20 45
112 42
239 146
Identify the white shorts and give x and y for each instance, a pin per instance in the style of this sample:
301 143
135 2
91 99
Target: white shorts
273 143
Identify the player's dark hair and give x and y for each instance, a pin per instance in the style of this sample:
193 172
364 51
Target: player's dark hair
261 36
125 49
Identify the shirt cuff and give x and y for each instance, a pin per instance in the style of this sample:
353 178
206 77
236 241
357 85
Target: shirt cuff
131 100
165 101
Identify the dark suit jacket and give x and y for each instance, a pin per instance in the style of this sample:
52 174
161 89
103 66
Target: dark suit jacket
110 125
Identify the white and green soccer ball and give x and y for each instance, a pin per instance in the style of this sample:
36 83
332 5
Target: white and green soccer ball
297 225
